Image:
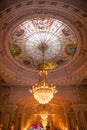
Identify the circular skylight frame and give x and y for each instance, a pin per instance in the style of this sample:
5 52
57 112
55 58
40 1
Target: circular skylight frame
54 59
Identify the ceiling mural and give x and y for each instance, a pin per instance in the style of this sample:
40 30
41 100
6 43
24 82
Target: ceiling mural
28 40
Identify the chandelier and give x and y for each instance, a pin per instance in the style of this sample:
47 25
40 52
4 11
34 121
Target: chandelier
42 91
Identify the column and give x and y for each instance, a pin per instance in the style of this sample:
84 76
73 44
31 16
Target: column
10 120
83 120
79 120
5 120
73 121
16 122
11 116
19 122
66 121
22 121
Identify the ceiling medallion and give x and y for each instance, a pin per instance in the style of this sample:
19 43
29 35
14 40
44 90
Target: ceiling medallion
25 43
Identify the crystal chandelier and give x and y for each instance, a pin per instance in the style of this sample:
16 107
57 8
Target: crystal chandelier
42 91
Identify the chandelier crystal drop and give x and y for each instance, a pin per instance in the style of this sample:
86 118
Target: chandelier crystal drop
42 91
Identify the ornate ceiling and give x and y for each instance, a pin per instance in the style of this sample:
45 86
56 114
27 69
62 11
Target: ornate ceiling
19 71
67 68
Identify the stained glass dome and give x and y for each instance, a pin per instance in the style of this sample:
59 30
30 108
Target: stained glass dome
28 39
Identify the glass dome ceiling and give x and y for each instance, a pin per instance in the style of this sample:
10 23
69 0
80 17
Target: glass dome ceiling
28 39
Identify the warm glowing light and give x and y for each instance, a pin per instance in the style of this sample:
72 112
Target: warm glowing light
44 118
61 126
28 125
12 127
44 123
65 129
42 91
44 115
25 129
